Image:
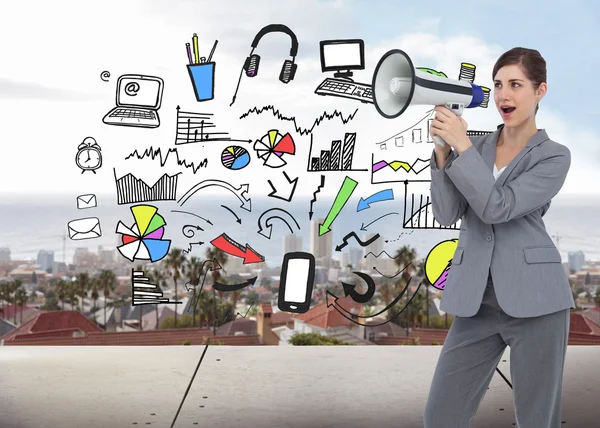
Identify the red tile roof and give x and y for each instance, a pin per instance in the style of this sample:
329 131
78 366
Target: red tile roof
329 317
582 324
53 323
281 318
266 308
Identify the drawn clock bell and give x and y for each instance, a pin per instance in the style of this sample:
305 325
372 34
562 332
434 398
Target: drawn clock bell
89 157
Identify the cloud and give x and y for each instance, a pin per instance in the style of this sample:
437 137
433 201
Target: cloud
12 89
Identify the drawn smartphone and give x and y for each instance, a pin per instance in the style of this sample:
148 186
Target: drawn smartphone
296 283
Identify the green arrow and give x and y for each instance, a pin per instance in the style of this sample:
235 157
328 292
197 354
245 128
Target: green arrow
341 199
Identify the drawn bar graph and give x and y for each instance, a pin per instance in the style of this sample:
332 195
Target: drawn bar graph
419 215
131 190
338 158
143 292
197 128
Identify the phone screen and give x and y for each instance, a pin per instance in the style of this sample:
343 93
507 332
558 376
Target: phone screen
296 280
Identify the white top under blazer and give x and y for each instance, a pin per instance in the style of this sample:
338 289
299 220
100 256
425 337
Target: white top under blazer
496 172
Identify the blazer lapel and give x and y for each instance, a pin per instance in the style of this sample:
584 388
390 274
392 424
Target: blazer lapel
489 152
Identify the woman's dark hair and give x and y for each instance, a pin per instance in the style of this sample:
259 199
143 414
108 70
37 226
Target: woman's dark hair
534 65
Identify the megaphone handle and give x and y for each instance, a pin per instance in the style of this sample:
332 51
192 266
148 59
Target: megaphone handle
457 111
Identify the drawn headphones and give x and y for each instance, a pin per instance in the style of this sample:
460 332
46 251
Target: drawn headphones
288 70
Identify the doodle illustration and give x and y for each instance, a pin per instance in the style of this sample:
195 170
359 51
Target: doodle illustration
264 224
338 158
314 198
157 154
340 201
382 195
439 261
364 227
233 287
299 129
350 289
235 158
272 146
196 128
355 236
201 71
86 201
285 188
224 243
419 215
88 157
297 281
104 76
250 67
144 293
84 228
239 192
342 56
132 190
143 240
138 101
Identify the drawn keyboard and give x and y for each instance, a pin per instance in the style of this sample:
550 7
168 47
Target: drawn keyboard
129 113
346 89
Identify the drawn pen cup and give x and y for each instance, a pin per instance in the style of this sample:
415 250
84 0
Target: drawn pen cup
202 76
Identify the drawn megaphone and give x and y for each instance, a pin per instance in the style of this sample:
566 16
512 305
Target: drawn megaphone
397 84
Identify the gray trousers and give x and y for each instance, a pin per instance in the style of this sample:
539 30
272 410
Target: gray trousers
471 353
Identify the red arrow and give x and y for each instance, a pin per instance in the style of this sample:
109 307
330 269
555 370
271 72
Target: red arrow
229 246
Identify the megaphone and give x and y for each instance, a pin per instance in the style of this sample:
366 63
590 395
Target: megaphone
397 84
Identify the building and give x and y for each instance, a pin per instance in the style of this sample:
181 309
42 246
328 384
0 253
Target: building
45 259
320 246
291 243
355 256
576 260
106 257
4 254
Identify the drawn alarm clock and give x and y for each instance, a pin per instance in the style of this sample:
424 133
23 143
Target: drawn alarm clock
88 156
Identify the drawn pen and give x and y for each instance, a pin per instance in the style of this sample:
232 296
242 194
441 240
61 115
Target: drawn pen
196 55
212 51
189 53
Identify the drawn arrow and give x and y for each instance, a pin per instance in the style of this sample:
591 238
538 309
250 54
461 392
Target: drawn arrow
390 277
384 195
353 234
269 226
287 187
350 289
195 215
228 245
233 287
337 308
364 227
314 199
190 228
237 191
216 266
239 220
341 199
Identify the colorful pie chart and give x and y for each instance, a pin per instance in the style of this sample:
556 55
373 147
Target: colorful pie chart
272 146
235 157
143 240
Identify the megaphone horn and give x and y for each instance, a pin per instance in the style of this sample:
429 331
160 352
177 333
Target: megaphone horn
397 84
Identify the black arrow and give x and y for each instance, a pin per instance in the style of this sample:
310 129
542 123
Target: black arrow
291 192
362 244
195 215
364 227
387 308
337 308
239 220
390 277
189 250
191 232
314 199
233 287
350 289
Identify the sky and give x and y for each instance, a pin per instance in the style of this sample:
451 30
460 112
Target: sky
52 96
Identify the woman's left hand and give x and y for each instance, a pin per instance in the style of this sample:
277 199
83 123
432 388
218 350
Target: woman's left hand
451 127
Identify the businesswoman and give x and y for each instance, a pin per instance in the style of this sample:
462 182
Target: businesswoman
506 284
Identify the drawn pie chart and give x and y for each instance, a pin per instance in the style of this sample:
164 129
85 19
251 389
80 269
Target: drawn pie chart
272 146
143 240
438 263
235 157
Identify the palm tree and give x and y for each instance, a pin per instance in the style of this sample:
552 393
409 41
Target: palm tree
14 286
72 292
222 258
60 288
405 256
107 282
3 294
386 291
158 277
94 287
175 263
83 282
20 300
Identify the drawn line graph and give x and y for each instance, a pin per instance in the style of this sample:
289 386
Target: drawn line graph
157 153
299 129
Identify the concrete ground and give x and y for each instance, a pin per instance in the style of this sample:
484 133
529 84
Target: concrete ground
266 387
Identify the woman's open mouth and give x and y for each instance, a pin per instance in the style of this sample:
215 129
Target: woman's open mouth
507 111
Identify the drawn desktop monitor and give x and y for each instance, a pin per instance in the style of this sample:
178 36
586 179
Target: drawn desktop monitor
342 56
139 91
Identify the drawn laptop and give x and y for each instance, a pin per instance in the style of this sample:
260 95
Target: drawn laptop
138 101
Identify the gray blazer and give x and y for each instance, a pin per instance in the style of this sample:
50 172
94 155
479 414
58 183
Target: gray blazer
502 231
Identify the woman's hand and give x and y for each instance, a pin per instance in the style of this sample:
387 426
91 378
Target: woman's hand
452 128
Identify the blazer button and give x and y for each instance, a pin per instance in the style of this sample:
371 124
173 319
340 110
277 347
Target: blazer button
488 238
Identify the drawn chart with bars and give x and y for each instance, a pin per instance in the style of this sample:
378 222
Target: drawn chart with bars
145 293
131 190
338 157
418 213
198 127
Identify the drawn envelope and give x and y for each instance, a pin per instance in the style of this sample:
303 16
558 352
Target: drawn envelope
86 201
84 228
